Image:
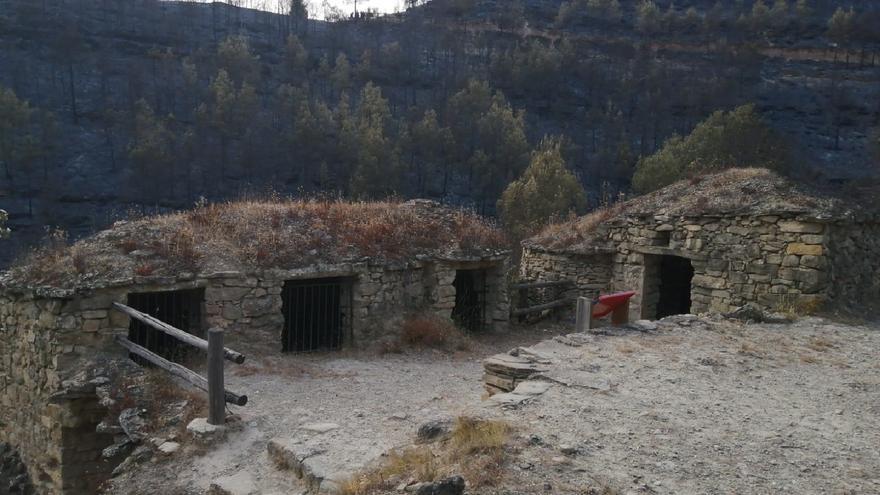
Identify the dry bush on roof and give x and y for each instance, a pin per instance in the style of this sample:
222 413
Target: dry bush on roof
253 234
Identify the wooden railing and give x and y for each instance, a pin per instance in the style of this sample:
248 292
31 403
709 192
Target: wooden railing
522 299
218 396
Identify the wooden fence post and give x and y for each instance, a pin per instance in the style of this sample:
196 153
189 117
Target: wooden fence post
584 320
216 387
620 315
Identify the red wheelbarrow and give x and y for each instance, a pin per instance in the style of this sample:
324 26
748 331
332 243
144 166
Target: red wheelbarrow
617 305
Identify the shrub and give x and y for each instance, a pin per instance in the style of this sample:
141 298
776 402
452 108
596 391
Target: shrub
430 331
474 435
546 190
735 139
475 449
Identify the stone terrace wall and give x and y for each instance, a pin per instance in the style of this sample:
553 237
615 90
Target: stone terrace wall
590 273
40 340
854 257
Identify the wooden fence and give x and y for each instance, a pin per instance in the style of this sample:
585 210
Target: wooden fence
523 288
218 396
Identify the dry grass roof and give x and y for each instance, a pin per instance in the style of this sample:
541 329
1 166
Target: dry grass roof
249 236
734 192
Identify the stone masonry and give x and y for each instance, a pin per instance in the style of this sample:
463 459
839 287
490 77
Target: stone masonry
48 336
775 261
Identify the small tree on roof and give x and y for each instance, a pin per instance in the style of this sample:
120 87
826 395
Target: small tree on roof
547 189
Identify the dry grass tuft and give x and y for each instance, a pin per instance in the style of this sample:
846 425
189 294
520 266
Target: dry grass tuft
820 344
252 234
750 349
627 348
474 435
163 392
475 450
794 306
425 330
577 231
806 358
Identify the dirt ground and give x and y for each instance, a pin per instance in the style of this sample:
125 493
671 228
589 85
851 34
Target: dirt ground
695 406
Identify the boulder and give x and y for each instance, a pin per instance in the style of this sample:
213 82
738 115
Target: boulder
204 432
132 422
454 485
434 430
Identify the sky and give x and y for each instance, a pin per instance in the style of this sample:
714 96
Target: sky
381 5
315 6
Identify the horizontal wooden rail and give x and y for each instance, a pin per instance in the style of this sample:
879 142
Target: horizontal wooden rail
542 307
177 333
539 285
177 370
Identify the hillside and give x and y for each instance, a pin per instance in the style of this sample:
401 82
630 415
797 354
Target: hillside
130 111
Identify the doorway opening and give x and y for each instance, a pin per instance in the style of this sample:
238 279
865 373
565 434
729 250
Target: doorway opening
179 308
317 314
469 311
676 274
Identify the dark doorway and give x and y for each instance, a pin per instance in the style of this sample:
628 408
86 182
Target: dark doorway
676 274
179 308
469 312
317 314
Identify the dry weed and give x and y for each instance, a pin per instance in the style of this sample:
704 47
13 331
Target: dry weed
425 330
793 306
164 393
626 348
473 435
748 348
566 234
475 449
820 344
261 234
806 358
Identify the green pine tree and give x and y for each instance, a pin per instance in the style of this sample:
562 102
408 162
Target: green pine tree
546 190
738 138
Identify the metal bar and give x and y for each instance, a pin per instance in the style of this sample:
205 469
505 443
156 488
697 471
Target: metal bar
167 329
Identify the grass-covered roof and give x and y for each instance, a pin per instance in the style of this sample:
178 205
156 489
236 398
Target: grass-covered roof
249 236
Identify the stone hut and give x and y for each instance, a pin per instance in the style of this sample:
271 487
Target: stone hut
716 243
286 276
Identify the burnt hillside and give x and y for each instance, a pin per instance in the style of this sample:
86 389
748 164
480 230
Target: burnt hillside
130 111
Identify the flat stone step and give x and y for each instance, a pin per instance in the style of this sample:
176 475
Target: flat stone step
323 468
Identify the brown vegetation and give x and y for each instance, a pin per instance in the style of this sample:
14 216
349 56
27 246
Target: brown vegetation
258 234
425 330
743 191
475 449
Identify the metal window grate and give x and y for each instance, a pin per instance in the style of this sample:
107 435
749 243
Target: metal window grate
469 312
180 308
317 314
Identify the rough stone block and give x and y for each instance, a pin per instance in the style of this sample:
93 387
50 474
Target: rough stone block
804 249
800 227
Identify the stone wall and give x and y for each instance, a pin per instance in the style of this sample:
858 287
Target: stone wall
41 342
591 273
46 341
854 259
774 261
